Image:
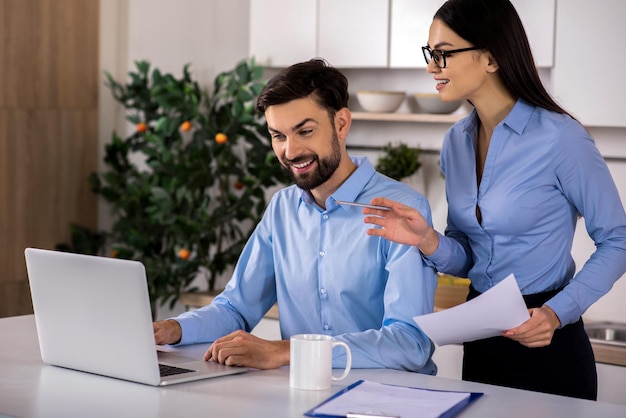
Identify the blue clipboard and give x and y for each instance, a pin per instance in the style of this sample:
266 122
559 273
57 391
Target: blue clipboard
448 414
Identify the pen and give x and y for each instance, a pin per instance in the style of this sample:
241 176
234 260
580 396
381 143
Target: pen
361 205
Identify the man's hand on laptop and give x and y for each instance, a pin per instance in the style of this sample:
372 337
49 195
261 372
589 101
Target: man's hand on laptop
167 332
241 348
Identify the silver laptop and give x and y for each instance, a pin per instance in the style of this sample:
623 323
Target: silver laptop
93 315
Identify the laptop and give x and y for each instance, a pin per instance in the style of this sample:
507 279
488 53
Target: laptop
93 315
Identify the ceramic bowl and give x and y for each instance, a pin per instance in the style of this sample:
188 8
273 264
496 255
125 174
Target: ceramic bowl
380 101
431 103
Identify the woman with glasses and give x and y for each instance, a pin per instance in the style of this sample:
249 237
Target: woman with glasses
519 173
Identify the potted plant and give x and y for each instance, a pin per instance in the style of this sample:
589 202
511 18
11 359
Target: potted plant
399 161
187 187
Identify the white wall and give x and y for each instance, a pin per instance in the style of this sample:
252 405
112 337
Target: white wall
212 35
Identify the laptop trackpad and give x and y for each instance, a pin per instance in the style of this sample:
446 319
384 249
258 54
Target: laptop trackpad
173 358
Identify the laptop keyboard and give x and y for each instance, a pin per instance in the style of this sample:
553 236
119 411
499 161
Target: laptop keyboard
166 370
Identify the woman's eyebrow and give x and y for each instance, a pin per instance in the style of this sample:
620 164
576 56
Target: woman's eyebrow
440 44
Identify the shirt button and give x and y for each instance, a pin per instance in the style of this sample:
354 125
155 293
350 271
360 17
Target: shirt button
322 253
326 327
323 291
325 216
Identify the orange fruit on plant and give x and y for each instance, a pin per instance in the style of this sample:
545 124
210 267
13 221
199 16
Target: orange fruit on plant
183 254
221 138
185 126
238 185
114 253
141 127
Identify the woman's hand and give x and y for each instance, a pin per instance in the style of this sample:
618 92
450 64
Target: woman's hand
538 330
402 224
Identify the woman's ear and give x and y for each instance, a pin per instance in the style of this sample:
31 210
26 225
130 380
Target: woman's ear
492 65
343 120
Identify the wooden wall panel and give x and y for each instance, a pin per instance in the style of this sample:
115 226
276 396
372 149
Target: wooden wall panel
48 131
50 53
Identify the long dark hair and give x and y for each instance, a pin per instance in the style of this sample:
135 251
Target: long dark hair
316 78
494 25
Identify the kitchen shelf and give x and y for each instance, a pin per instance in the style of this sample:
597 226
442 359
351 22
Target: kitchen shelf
408 117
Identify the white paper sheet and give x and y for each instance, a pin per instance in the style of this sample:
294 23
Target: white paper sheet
488 315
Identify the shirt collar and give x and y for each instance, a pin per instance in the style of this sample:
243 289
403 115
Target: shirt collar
517 119
349 189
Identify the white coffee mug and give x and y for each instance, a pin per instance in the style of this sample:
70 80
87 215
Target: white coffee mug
311 361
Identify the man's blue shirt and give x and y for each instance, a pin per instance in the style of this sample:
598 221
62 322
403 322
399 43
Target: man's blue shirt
329 277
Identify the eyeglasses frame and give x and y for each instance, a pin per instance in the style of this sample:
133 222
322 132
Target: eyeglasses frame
444 54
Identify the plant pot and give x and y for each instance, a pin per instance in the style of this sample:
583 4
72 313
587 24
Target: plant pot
451 291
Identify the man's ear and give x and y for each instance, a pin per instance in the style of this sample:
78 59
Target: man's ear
343 120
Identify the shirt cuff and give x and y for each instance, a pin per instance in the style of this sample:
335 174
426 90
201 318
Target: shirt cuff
442 254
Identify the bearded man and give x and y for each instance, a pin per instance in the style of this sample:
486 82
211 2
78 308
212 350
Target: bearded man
312 255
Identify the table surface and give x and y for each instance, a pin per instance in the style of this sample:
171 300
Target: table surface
29 388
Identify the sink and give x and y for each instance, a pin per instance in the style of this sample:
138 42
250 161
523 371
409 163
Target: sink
612 333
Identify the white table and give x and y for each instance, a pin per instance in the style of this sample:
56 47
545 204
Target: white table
29 388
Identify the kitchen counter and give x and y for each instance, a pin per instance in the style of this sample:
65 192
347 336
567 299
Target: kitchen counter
609 354
608 340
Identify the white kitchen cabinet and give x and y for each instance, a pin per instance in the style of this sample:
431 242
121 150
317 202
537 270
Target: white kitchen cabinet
347 33
449 361
538 17
283 32
410 22
354 33
611 383
589 61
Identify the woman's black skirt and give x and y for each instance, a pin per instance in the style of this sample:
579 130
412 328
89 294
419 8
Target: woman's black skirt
565 367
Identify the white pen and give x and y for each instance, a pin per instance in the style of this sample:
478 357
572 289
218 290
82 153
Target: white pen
361 205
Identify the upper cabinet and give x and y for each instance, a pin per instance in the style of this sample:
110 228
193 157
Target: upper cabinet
354 33
368 33
410 22
538 17
348 33
589 63
283 32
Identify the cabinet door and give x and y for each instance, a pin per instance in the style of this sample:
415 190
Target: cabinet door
410 22
354 33
589 62
283 32
538 17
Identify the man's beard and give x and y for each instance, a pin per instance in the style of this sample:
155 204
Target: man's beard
325 169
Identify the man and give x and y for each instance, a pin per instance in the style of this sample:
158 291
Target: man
310 255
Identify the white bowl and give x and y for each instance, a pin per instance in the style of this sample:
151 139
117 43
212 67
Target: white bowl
380 101
431 103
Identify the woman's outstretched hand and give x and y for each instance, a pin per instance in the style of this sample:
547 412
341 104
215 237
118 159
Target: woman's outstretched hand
402 224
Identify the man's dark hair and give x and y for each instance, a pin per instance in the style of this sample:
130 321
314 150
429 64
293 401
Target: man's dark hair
315 78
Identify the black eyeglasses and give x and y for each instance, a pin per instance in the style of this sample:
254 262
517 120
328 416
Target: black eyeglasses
440 56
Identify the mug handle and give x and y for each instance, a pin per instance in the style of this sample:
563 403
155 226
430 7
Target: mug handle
348 359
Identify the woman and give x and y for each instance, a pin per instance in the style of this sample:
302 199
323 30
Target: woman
519 172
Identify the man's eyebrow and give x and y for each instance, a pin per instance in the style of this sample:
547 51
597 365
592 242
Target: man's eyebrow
295 127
